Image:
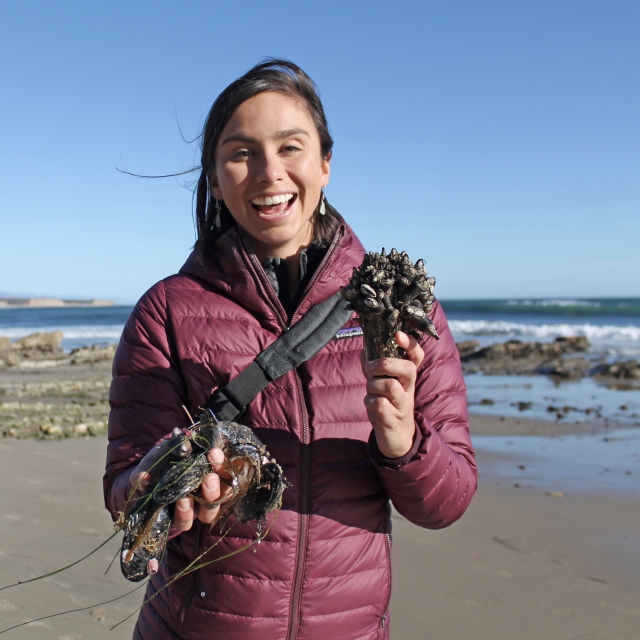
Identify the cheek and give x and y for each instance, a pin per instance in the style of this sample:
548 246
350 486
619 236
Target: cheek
231 181
311 172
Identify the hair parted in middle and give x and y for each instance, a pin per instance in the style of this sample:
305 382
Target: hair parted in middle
280 76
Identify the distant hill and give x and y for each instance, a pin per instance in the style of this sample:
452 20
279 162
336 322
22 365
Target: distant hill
32 303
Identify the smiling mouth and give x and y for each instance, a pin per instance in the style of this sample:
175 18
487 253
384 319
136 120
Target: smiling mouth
273 205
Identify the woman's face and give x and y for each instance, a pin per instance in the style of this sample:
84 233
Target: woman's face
270 149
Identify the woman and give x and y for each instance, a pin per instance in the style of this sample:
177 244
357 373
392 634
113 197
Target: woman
269 248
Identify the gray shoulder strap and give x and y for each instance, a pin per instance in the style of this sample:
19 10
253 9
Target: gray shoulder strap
295 346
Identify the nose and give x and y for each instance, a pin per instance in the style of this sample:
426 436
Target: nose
269 167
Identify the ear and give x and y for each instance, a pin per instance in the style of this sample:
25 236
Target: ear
213 185
325 169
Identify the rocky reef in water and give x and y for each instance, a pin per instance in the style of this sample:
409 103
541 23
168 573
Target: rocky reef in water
47 393
40 350
561 358
35 303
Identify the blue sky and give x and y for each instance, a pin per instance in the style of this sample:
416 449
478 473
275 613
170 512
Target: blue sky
500 141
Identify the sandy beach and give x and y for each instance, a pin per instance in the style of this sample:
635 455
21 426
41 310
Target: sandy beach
528 560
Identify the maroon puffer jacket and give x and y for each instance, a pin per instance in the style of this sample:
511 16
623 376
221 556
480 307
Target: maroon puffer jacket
324 569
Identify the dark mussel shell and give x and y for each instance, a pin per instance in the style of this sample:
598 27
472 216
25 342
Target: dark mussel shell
181 479
149 521
156 521
264 497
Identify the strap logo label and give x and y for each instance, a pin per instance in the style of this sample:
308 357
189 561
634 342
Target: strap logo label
351 332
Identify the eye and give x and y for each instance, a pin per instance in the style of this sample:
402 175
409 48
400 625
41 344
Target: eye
242 153
290 148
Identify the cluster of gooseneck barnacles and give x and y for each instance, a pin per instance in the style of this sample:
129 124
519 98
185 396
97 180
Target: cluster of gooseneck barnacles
390 294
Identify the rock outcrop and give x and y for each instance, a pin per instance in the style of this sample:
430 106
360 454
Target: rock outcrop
467 347
627 370
517 357
94 353
35 303
43 350
36 349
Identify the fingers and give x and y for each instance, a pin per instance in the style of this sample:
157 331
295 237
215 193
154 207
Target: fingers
404 371
151 466
139 480
390 396
183 514
213 487
390 389
380 411
187 510
216 460
412 349
210 490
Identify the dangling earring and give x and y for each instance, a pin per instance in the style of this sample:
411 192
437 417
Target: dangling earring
322 210
217 221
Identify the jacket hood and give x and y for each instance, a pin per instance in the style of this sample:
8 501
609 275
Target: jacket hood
234 270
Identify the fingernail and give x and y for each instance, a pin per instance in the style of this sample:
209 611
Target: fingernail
183 504
217 456
152 566
211 481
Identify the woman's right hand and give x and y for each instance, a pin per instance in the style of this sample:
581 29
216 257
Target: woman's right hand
213 488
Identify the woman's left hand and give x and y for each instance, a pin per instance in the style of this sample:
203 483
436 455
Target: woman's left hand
390 397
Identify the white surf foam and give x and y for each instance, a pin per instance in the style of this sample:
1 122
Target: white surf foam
100 333
553 303
623 341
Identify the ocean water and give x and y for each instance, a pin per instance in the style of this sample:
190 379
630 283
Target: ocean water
80 326
602 463
612 325
584 401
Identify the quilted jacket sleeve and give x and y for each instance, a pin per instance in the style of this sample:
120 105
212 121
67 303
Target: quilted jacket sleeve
434 483
146 393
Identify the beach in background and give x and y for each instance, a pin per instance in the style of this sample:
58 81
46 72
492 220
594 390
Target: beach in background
612 327
547 549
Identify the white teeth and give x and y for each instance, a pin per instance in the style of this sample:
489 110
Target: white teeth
269 200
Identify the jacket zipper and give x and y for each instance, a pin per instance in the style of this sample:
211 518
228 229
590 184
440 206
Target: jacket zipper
294 609
385 613
301 548
253 265
186 605
321 269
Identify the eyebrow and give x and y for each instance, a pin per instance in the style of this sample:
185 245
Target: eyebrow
281 135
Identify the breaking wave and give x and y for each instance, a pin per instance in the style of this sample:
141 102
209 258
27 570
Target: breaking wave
604 339
554 303
104 332
543 331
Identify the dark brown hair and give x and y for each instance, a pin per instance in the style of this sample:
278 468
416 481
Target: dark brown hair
281 76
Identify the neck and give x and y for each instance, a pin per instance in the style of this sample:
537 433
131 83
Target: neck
288 251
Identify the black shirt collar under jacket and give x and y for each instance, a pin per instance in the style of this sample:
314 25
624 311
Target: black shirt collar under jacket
278 274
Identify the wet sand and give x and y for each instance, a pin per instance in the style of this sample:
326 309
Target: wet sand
521 564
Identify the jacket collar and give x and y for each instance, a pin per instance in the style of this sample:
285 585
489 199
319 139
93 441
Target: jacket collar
235 271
